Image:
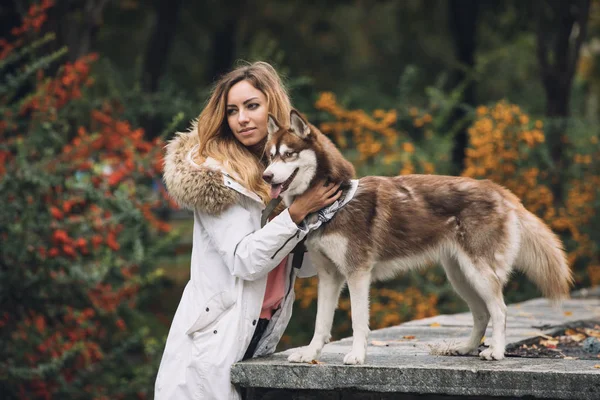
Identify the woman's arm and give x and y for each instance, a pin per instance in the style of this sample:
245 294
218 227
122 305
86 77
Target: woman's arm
251 254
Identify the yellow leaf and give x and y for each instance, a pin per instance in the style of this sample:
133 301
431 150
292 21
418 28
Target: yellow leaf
597 366
578 337
435 325
568 313
524 314
592 332
574 335
408 337
551 344
378 343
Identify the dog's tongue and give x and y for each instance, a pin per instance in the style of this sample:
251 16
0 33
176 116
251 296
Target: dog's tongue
275 190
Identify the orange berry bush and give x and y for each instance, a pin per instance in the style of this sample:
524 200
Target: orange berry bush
510 148
78 234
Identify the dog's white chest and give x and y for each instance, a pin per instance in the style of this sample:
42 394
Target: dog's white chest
333 245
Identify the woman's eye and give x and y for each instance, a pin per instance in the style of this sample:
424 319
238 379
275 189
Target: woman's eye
252 106
231 111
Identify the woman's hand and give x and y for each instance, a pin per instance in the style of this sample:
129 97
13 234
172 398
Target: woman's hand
314 199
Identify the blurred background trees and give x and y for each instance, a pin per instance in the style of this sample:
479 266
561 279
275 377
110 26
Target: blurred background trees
506 90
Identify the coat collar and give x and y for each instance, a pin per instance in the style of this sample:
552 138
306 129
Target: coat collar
207 186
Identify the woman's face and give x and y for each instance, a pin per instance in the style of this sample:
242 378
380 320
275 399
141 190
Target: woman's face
247 113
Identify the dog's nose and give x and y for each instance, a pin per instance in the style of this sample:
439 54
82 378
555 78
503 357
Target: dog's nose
268 177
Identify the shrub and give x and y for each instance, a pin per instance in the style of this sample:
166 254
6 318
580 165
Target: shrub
79 236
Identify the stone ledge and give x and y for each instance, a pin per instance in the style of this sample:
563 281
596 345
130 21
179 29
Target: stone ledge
548 378
398 365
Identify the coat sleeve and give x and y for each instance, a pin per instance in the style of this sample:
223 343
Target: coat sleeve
251 254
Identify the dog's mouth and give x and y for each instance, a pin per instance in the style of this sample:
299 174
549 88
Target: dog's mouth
277 189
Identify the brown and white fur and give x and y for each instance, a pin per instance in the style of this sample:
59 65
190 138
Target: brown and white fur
477 230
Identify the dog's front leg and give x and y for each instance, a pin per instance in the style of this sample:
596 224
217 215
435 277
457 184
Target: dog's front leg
330 286
358 285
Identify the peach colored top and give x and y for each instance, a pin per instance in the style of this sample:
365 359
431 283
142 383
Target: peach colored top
275 291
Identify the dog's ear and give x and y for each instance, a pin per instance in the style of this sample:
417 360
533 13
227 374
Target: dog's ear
272 125
298 125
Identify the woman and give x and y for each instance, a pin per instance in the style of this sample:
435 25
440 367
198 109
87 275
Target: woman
240 294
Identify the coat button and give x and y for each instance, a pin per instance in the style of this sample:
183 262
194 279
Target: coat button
206 309
215 331
254 322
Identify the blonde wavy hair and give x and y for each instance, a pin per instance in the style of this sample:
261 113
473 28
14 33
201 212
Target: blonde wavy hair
217 140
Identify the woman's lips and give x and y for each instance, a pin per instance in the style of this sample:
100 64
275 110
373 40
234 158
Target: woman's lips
247 131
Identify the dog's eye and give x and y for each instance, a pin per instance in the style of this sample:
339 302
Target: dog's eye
288 154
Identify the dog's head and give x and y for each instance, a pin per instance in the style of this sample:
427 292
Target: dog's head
292 156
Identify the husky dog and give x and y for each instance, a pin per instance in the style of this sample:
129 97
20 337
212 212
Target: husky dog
477 230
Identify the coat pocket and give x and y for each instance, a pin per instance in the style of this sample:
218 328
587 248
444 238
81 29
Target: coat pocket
212 311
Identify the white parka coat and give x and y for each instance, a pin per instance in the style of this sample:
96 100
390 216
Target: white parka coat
231 258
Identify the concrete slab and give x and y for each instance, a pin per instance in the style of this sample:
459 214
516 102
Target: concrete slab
399 360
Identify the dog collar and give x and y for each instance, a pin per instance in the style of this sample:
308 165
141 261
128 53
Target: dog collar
327 213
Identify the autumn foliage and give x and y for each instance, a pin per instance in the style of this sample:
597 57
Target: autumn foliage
510 148
78 232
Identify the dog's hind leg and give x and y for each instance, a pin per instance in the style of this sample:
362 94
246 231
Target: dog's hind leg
481 317
331 282
358 285
488 285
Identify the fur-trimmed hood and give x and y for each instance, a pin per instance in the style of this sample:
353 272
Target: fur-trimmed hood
206 187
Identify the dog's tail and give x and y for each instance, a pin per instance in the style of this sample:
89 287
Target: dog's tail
542 257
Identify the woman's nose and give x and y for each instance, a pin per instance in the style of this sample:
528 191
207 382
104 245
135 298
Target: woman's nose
242 117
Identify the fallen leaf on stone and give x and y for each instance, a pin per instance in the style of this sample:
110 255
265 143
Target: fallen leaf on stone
550 343
378 343
592 332
524 314
568 313
597 366
316 362
571 358
574 335
408 337
435 325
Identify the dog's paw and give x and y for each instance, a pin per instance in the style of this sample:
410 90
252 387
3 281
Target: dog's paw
462 349
304 355
492 353
353 358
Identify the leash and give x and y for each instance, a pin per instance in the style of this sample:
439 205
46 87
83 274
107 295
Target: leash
300 249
